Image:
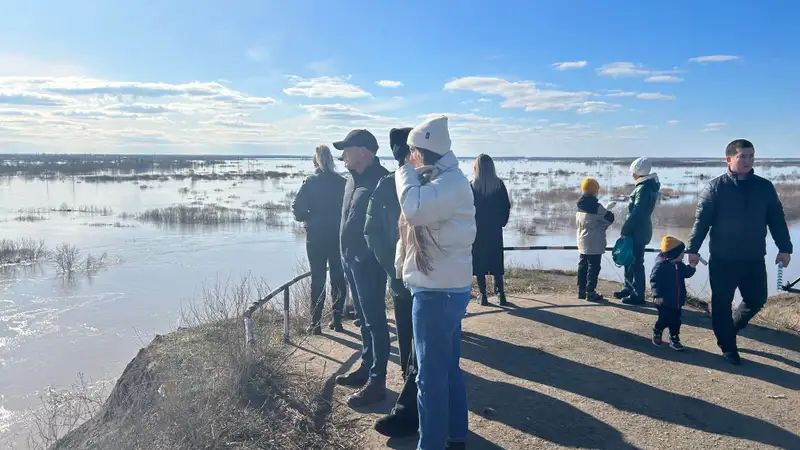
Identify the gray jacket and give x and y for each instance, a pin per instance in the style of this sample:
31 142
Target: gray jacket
592 221
737 213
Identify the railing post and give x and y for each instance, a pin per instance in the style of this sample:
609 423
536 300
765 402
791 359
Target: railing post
286 316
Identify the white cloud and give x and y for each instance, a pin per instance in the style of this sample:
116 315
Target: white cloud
94 114
654 96
566 65
663 79
629 69
618 93
484 100
714 58
256 54
27 98
525 94
389 83
590 107
337 111
18 113
714 126
324 87
673 122
635 127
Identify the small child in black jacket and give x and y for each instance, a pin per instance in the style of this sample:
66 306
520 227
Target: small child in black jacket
668 286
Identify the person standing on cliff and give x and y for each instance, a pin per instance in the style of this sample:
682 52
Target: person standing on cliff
736 209
318 205
381 231
638 226
365 275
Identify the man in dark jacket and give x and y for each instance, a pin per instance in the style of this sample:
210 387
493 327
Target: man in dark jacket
364 273
737 208
381 232
318 204
638 226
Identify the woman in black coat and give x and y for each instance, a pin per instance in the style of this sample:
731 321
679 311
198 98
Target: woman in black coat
492 208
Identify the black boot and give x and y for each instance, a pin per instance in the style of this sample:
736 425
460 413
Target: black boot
631 300
625 292
482 289
455 446
356 378
401 422
373 392
594 297
336 323
581 294
733 358
315 330
500 290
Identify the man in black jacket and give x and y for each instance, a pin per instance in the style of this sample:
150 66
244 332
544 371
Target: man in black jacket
318 204
365 275
381 231
737 208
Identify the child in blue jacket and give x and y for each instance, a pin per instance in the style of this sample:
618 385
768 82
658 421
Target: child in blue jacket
668 287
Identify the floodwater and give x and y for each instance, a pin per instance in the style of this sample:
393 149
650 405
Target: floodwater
52 328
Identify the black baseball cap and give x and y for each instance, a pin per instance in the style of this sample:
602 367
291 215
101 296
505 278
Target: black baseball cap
358 138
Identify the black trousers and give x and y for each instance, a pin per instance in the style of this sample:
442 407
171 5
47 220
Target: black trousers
403 307
634 273
588 272
406 405
750 277
498 284
668 318
322 254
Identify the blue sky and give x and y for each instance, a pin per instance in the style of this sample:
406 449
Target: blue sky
678 78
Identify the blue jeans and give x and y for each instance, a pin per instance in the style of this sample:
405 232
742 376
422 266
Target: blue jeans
442 396
367 281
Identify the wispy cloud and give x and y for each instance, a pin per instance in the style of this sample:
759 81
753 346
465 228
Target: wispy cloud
389 83
324 87
337 111
654 96
635 127
714 126
629 69
663 79
673 122
566 65
526 95
714 58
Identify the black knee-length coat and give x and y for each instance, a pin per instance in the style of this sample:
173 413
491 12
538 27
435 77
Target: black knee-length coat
491 215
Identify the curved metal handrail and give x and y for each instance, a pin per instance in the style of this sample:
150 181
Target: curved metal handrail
248 314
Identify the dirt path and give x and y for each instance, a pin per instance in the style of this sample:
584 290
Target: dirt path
552 371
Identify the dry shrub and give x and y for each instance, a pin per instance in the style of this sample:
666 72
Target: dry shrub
21 251
65 256
200 387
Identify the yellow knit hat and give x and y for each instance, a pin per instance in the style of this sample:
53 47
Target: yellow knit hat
670 243
590 186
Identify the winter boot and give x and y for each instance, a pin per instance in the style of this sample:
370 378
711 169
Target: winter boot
581 294
356 378
631 300
482 289
315 330
398 423
455 446
373 392
594 297
500 290
336 324
619 295
733 358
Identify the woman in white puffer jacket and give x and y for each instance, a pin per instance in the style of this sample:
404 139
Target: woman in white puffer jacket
434 259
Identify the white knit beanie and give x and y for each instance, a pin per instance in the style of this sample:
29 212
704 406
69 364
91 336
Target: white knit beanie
641 167
431 135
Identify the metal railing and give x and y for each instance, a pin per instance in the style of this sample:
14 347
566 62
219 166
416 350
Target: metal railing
248 315
285 288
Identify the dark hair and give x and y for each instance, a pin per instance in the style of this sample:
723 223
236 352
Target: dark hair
429 158
733 148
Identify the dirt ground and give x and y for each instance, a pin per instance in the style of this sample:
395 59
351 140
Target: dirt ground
552 371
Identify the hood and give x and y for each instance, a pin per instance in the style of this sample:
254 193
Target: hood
447 162
588 204
650 181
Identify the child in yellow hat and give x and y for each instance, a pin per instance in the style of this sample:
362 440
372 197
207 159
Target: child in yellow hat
668 286
592 221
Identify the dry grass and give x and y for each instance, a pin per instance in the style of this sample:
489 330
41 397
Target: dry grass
30 218
208 214
259 175
201 388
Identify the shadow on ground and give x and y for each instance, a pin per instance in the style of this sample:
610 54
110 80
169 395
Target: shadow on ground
618 391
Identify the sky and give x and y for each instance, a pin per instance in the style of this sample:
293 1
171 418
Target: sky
577 78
